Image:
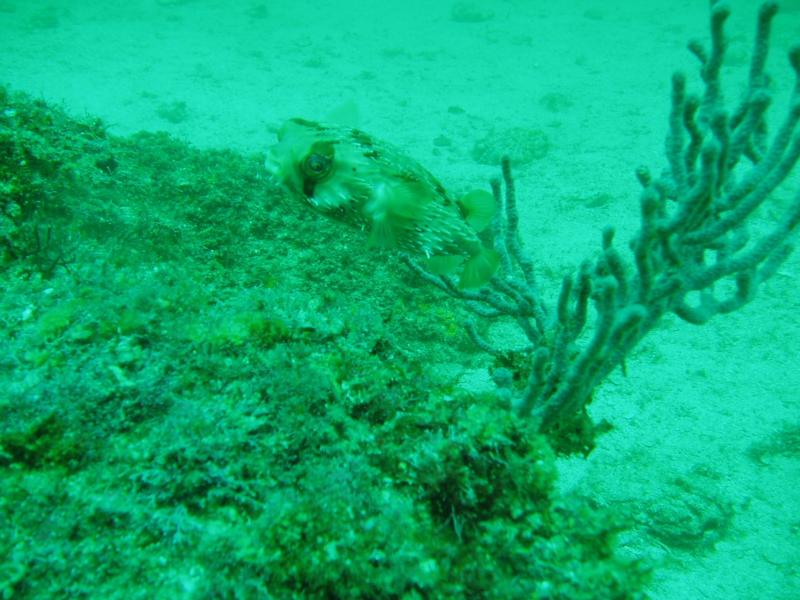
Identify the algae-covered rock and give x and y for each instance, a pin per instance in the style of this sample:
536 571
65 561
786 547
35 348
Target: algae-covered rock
210 382
523 145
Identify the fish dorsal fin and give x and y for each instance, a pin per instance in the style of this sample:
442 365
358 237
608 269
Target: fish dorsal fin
478 208
344 115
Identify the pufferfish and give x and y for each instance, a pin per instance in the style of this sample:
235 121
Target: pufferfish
353 178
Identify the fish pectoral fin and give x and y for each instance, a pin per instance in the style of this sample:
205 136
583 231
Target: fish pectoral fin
478 208
479 269
405 201
442 265
394 209
383 234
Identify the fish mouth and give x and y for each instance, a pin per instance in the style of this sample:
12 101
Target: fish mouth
278 167
272 164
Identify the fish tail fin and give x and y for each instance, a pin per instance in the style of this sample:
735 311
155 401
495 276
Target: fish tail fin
480 268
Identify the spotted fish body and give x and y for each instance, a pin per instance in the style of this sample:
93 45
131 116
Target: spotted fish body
351 177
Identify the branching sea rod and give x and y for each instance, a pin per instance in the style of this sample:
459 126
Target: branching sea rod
692 242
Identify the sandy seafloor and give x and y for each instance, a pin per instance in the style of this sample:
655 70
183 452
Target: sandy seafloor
695 400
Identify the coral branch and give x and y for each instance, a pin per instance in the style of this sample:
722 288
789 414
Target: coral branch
721 168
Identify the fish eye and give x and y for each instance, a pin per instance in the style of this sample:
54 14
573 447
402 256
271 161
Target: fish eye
316 166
